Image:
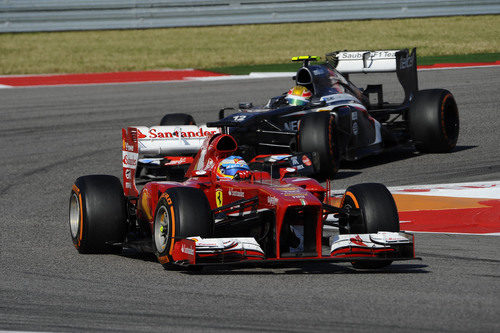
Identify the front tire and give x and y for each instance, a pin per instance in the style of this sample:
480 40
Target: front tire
97 214
378 213
433 121
181 212
317 134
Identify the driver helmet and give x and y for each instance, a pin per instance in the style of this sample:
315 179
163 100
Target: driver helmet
229 166
298 95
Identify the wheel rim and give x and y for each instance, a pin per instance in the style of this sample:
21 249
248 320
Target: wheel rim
74 215
161 229
353 226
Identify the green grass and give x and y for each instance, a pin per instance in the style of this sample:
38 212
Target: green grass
475 57
241 45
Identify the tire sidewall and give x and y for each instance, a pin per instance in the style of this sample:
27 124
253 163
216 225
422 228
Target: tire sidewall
378 211
102 213
317 134
189 215
431 112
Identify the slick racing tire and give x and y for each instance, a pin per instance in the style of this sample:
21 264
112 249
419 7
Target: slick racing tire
97 214
177 119
378 213
433 121
317 134
181 212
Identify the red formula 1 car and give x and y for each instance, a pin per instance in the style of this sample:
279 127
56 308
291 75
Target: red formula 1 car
234 216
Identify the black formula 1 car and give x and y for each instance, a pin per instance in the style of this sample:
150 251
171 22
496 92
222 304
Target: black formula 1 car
341 121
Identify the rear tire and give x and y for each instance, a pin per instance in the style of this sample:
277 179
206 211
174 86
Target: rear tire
433 121
177 119
97 214
317 134
180 213
378 213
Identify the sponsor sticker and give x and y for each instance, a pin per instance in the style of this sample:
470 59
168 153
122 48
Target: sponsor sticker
187 249
306 160
319 71
406 62
286 188
127 147
129 159
296 193
272 200
355 128
292 125
234 193
218 197
351 55
155 133
358 241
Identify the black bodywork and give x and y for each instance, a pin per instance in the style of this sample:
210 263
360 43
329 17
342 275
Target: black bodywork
274 128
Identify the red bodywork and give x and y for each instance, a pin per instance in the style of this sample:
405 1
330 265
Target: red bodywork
294 201
274 194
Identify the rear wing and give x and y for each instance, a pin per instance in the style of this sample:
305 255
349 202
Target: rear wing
175 140
403 62
348 62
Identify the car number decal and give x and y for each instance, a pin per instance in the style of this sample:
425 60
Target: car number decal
239 118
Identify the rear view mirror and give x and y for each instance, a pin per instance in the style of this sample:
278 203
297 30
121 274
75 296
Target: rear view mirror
287 171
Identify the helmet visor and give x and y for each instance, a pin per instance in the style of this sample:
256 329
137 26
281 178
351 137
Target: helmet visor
296 101
234 170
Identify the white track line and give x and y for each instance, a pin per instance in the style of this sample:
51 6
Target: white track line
253 75
478 190
455 233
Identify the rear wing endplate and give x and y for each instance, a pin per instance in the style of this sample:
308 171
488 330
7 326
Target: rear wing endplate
403 62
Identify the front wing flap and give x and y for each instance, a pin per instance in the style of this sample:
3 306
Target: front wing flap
246 250
386 245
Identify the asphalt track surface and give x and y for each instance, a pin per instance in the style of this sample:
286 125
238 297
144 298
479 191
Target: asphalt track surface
50 136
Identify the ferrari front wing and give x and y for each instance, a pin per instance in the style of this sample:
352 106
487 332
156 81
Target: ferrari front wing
343 248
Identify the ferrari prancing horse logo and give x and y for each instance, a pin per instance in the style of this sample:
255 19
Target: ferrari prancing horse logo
218 197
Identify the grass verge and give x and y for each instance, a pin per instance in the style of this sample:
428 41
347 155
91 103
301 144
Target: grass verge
228 46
